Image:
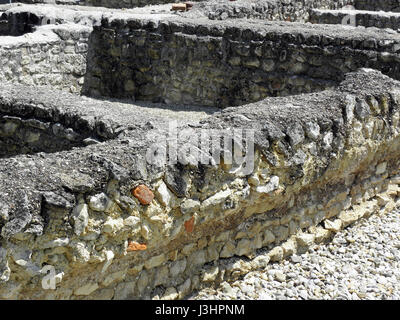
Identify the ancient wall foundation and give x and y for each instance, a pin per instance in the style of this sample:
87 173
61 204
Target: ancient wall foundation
124 3
270 60
54 56
318 168
382 5
290 6
225 64
122 179
38 130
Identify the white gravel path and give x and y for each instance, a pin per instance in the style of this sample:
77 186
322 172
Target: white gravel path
361 262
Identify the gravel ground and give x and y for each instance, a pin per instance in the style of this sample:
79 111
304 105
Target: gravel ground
361 262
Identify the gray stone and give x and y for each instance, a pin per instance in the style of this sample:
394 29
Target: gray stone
100 202
80 215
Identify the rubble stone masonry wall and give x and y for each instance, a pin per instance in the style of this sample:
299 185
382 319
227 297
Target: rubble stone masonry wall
282 5
367 19
125 3
86 214
292 10
224 64
375 5
205 63
54 56
289 9
322 161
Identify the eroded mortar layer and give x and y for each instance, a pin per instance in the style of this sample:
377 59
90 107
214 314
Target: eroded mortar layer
285 6
228 63
285 10
25 129
53 56
322 161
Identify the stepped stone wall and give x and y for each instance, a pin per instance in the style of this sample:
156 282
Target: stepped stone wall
227 64
241 68
54 56
322 161
287 8
125 3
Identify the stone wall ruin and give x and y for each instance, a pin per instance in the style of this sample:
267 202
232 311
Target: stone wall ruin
78 191
225 64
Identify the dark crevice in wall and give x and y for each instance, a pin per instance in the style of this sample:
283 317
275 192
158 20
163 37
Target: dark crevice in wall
18 24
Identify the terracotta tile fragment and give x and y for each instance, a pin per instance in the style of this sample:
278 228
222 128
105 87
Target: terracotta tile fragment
189 225
179 7
143 194
135 246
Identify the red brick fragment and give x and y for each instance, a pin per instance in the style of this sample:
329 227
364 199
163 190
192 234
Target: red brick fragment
179 7
135 246
143 194
189 225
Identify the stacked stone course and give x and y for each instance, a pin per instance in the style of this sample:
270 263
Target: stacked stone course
226 64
